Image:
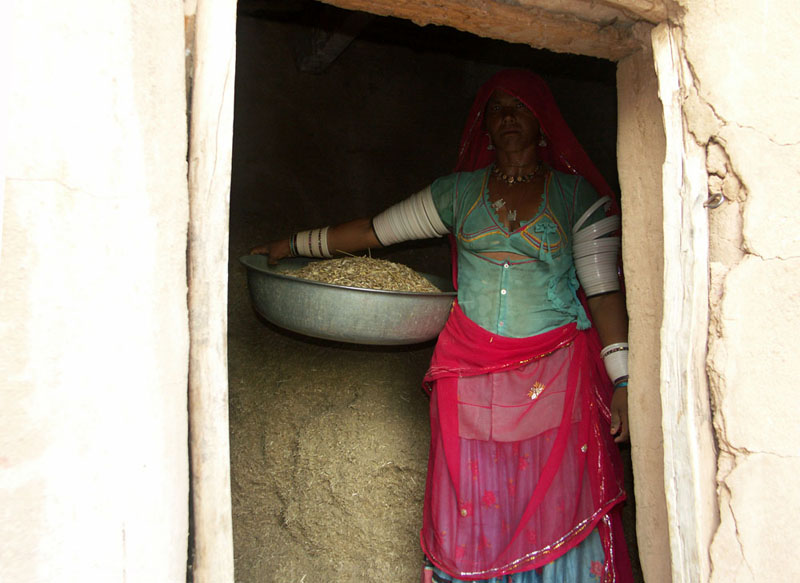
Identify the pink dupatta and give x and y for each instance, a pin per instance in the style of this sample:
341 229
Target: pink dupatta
522 466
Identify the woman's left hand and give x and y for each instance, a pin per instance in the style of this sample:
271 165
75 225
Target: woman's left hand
619 415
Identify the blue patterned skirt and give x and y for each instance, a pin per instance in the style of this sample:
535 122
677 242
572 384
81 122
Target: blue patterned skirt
582 564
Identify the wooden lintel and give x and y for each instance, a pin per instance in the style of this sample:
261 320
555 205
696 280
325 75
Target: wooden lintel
559 32
653 11
600 11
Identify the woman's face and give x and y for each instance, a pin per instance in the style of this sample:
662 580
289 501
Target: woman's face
510 124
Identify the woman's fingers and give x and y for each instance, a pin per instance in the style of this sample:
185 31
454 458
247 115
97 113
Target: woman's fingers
619 415
623 434
274 250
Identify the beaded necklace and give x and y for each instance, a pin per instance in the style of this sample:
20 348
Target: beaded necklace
500 203
511 180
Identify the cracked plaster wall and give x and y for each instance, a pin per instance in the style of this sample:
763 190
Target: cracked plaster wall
744 110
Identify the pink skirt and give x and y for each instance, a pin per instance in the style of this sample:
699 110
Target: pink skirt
522 465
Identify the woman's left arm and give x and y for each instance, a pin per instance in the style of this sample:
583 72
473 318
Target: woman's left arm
611 321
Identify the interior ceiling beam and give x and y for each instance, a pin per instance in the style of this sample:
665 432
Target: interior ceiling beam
611 36
329 40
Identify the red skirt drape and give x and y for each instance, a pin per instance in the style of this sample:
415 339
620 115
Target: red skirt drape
522 465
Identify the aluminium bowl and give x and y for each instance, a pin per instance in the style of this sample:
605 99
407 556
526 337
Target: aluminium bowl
341 313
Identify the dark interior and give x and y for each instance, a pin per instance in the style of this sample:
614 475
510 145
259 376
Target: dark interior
337 116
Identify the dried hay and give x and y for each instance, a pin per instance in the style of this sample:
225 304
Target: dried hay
357 490
366 272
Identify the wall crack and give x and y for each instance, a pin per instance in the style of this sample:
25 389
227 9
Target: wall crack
737 532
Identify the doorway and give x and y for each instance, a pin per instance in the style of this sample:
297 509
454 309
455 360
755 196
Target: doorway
329 441
641 147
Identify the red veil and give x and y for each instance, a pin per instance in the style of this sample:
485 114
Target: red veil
562 152
522 466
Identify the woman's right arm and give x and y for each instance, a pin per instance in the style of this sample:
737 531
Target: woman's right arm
349 237
413 218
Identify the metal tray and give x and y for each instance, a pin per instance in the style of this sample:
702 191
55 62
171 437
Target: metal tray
345 314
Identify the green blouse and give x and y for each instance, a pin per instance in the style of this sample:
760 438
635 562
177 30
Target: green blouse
522 297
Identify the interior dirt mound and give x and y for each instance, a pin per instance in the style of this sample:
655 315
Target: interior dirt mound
356 491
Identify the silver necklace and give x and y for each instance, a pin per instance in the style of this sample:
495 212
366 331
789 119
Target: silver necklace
511 180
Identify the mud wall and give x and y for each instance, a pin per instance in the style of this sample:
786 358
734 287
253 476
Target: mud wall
641 152
93 318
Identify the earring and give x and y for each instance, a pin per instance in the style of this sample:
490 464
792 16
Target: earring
490 146
542 140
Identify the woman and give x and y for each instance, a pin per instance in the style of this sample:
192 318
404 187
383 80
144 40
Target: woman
524 479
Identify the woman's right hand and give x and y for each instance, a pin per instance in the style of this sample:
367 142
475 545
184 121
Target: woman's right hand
350 237
274 250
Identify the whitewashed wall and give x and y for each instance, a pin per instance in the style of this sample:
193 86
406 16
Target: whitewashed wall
93 316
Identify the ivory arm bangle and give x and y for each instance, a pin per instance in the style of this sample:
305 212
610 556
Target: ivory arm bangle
595 255
413 218
313 243
615 359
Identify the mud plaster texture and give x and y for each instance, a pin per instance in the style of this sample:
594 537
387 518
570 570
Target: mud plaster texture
329 441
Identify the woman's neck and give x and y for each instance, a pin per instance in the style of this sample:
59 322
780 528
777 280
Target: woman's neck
517 163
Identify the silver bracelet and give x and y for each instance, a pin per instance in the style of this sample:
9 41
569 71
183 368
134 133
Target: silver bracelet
615 359
313 243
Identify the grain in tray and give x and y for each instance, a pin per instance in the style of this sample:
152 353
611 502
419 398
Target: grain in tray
366 272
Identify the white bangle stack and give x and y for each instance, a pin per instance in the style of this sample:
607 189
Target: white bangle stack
594 254
615 358
413 218
313 243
